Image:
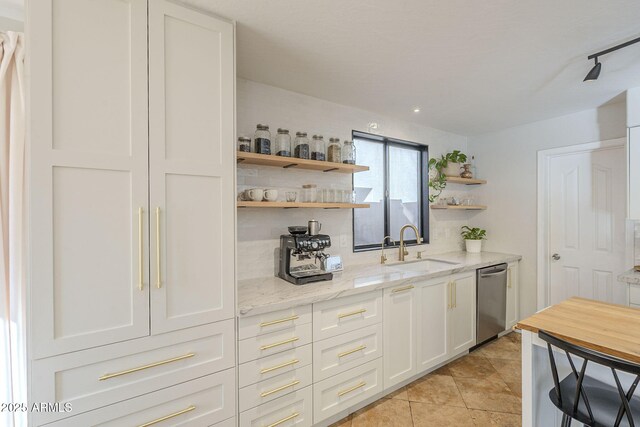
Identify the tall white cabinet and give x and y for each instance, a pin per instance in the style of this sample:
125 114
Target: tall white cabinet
132 264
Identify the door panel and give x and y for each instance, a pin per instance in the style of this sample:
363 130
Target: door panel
191 79
432 326
89 177
399 341
587 225
463 313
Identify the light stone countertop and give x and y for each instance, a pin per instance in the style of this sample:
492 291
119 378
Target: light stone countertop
267 294
630 276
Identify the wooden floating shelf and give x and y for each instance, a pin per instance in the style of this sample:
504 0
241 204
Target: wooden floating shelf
465 181
292 162
460 207
292 205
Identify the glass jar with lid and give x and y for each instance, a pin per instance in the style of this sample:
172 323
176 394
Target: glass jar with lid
301 146
309 193
244 144
334 151
283 143
349 153
262 140
318 148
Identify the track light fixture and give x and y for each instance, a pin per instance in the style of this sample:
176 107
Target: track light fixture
595 71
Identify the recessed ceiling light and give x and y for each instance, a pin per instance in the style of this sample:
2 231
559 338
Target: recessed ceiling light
416 109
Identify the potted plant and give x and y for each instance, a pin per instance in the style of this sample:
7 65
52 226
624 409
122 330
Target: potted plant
447 165
473 238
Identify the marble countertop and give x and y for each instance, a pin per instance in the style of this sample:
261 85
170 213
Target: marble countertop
630 276
266 294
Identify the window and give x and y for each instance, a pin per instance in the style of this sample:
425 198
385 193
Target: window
395 186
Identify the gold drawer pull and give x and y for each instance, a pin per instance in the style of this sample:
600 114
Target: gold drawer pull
275 390
350 389
140 368
268 346
404 288
346 353
284 420
353 313
158 278
275 322
167 417
140 253
284 365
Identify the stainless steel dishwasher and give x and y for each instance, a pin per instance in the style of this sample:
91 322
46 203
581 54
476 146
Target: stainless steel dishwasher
491 287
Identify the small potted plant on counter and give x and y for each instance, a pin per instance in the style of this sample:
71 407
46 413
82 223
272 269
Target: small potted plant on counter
473 238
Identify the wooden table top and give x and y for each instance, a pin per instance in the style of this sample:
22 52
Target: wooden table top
608 328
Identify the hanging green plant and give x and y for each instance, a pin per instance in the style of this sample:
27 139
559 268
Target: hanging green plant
437 177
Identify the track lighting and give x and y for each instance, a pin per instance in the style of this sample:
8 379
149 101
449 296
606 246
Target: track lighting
595 71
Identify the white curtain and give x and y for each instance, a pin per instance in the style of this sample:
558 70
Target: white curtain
12 227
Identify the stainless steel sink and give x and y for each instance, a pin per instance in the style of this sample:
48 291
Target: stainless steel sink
424 265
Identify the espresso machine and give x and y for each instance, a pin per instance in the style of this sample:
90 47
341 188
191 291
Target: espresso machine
302 256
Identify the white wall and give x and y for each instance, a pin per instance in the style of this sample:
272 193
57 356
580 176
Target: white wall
7 24
508 160
259 229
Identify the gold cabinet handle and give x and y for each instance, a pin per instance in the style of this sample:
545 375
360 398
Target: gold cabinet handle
275 390
167 417
268 346
353 313
140 253
449 305
404 288
158 279
509 278
350 389
355 350
284 420
455 294
141 368
275 322
283 365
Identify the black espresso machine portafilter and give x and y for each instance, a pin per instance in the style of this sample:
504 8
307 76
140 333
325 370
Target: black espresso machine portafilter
301 256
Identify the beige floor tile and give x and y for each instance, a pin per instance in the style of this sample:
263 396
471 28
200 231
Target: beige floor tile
435 389
515 387
443 370
489 394
383 413
345 422
472 366
428 415
499 419
509 369
502 348
401 394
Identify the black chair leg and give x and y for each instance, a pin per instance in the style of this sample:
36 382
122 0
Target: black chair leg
566 421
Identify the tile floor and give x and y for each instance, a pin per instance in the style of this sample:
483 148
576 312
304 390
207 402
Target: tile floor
480 389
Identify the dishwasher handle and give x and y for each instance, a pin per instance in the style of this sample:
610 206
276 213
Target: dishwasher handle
496 273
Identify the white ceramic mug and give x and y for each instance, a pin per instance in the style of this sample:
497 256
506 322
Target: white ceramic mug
270 195
255 194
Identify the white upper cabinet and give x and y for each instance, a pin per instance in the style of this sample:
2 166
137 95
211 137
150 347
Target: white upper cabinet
88 125
634 172
191 153
462 316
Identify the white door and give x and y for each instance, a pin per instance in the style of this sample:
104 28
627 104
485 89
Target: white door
512 295
399 311
586 224
462 316
88 126
432 329
192 177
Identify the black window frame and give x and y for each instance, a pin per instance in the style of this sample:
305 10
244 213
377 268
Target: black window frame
424 189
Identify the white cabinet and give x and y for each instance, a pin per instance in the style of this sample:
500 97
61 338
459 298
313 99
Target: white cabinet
634 172
462 315
127 223
399 307
513 302
433 326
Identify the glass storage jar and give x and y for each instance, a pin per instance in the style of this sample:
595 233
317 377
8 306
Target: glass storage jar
334 150
309 193
283 143
244 144
301 146
318 148
262 140
349 153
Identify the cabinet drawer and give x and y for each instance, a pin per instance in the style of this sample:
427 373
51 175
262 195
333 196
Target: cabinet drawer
98 377
270 366
331 318
346 351
342 391
268 390
197 403
634 294
274 342
270 322
294 409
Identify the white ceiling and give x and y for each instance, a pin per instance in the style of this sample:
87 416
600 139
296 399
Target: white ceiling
471 65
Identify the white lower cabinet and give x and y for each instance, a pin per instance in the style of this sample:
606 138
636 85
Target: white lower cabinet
201 402
272 388
512 295
294 409
276 364
400 322
462 316
433 324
